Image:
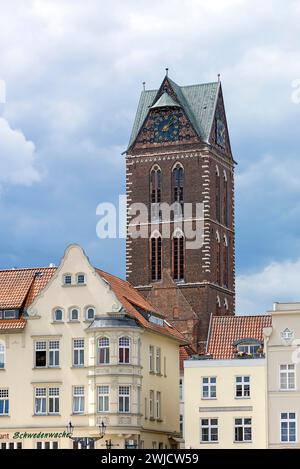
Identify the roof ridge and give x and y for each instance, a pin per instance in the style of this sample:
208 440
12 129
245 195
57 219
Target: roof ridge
28 269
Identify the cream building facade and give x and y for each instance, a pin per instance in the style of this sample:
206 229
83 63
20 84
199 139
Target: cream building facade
80 345
283 377
225 392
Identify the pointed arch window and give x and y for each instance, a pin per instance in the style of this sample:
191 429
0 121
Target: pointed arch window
178 255
225 199
226 262
155 256
218 195
155 185
218 256
178 184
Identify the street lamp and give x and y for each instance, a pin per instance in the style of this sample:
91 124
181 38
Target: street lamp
86 442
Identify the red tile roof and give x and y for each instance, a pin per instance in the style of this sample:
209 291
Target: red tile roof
12 324
185 353
19 288
225 330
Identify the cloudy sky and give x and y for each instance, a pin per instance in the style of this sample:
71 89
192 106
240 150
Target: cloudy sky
73 71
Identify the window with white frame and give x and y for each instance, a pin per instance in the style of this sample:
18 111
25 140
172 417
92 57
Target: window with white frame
4 402
67 279
53 353
151 404
288 427
151 358
124 350
78 352
242 386
158 360
46 445
209 430
124 399
181 390
209 387
287 377
74 314
90 314
11 445
103 398
2 355
243 429
47 353
46 401
58 315
78 399
158 405
103 350
80 279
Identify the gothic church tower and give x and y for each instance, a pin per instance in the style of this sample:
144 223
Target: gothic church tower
179 151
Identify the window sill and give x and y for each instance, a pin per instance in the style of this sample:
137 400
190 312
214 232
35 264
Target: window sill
74 321
78 367
209 398
46 415
209 442
79 414
70 285
242 442
242 398
46 368
288 390
57 322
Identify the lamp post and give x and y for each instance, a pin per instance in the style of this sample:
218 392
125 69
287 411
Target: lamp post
86 442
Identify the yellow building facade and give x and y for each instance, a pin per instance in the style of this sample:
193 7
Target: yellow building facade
79 345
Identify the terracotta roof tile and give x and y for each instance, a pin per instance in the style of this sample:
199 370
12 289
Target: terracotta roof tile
224 330
12 324
185 353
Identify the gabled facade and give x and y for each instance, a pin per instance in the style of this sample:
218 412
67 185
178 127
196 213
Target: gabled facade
180 152
84 347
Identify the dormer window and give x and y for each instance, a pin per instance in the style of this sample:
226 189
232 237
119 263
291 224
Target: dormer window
68 279
80 279
249 348
58 315
9 314
90 314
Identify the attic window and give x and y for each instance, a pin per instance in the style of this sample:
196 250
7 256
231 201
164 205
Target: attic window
9 314
67 279
249 348
156 320
80 279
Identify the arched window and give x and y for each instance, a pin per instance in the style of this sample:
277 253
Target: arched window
225 199
74 314
218 306
226 304
124 350
155 185
155 256
178 255
2 355
103 350
58 315
90 313
178 184
226 262
218 195
218 258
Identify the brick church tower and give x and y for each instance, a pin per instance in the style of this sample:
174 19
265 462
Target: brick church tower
179 151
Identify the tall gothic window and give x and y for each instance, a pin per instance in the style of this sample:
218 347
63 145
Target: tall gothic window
178 256
218 259
178 184
155 185
155 256
218 195
225 200
226 262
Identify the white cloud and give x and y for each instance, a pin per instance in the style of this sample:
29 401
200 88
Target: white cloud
17 157
278 281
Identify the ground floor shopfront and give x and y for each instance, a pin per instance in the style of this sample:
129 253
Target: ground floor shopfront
83 438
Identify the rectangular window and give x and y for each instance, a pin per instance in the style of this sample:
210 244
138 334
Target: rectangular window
78 399
151 358
124 399
15 445
40 401
151 404
209 387
181 390
53 353
288 427
53 400
158 360
103 350
46 445
181 424
4 402
103 399
2 356
243 429
209 430
287 377
242 386
78 352
158 405
41 354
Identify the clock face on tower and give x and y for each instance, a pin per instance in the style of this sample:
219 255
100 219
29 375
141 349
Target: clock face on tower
166 128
